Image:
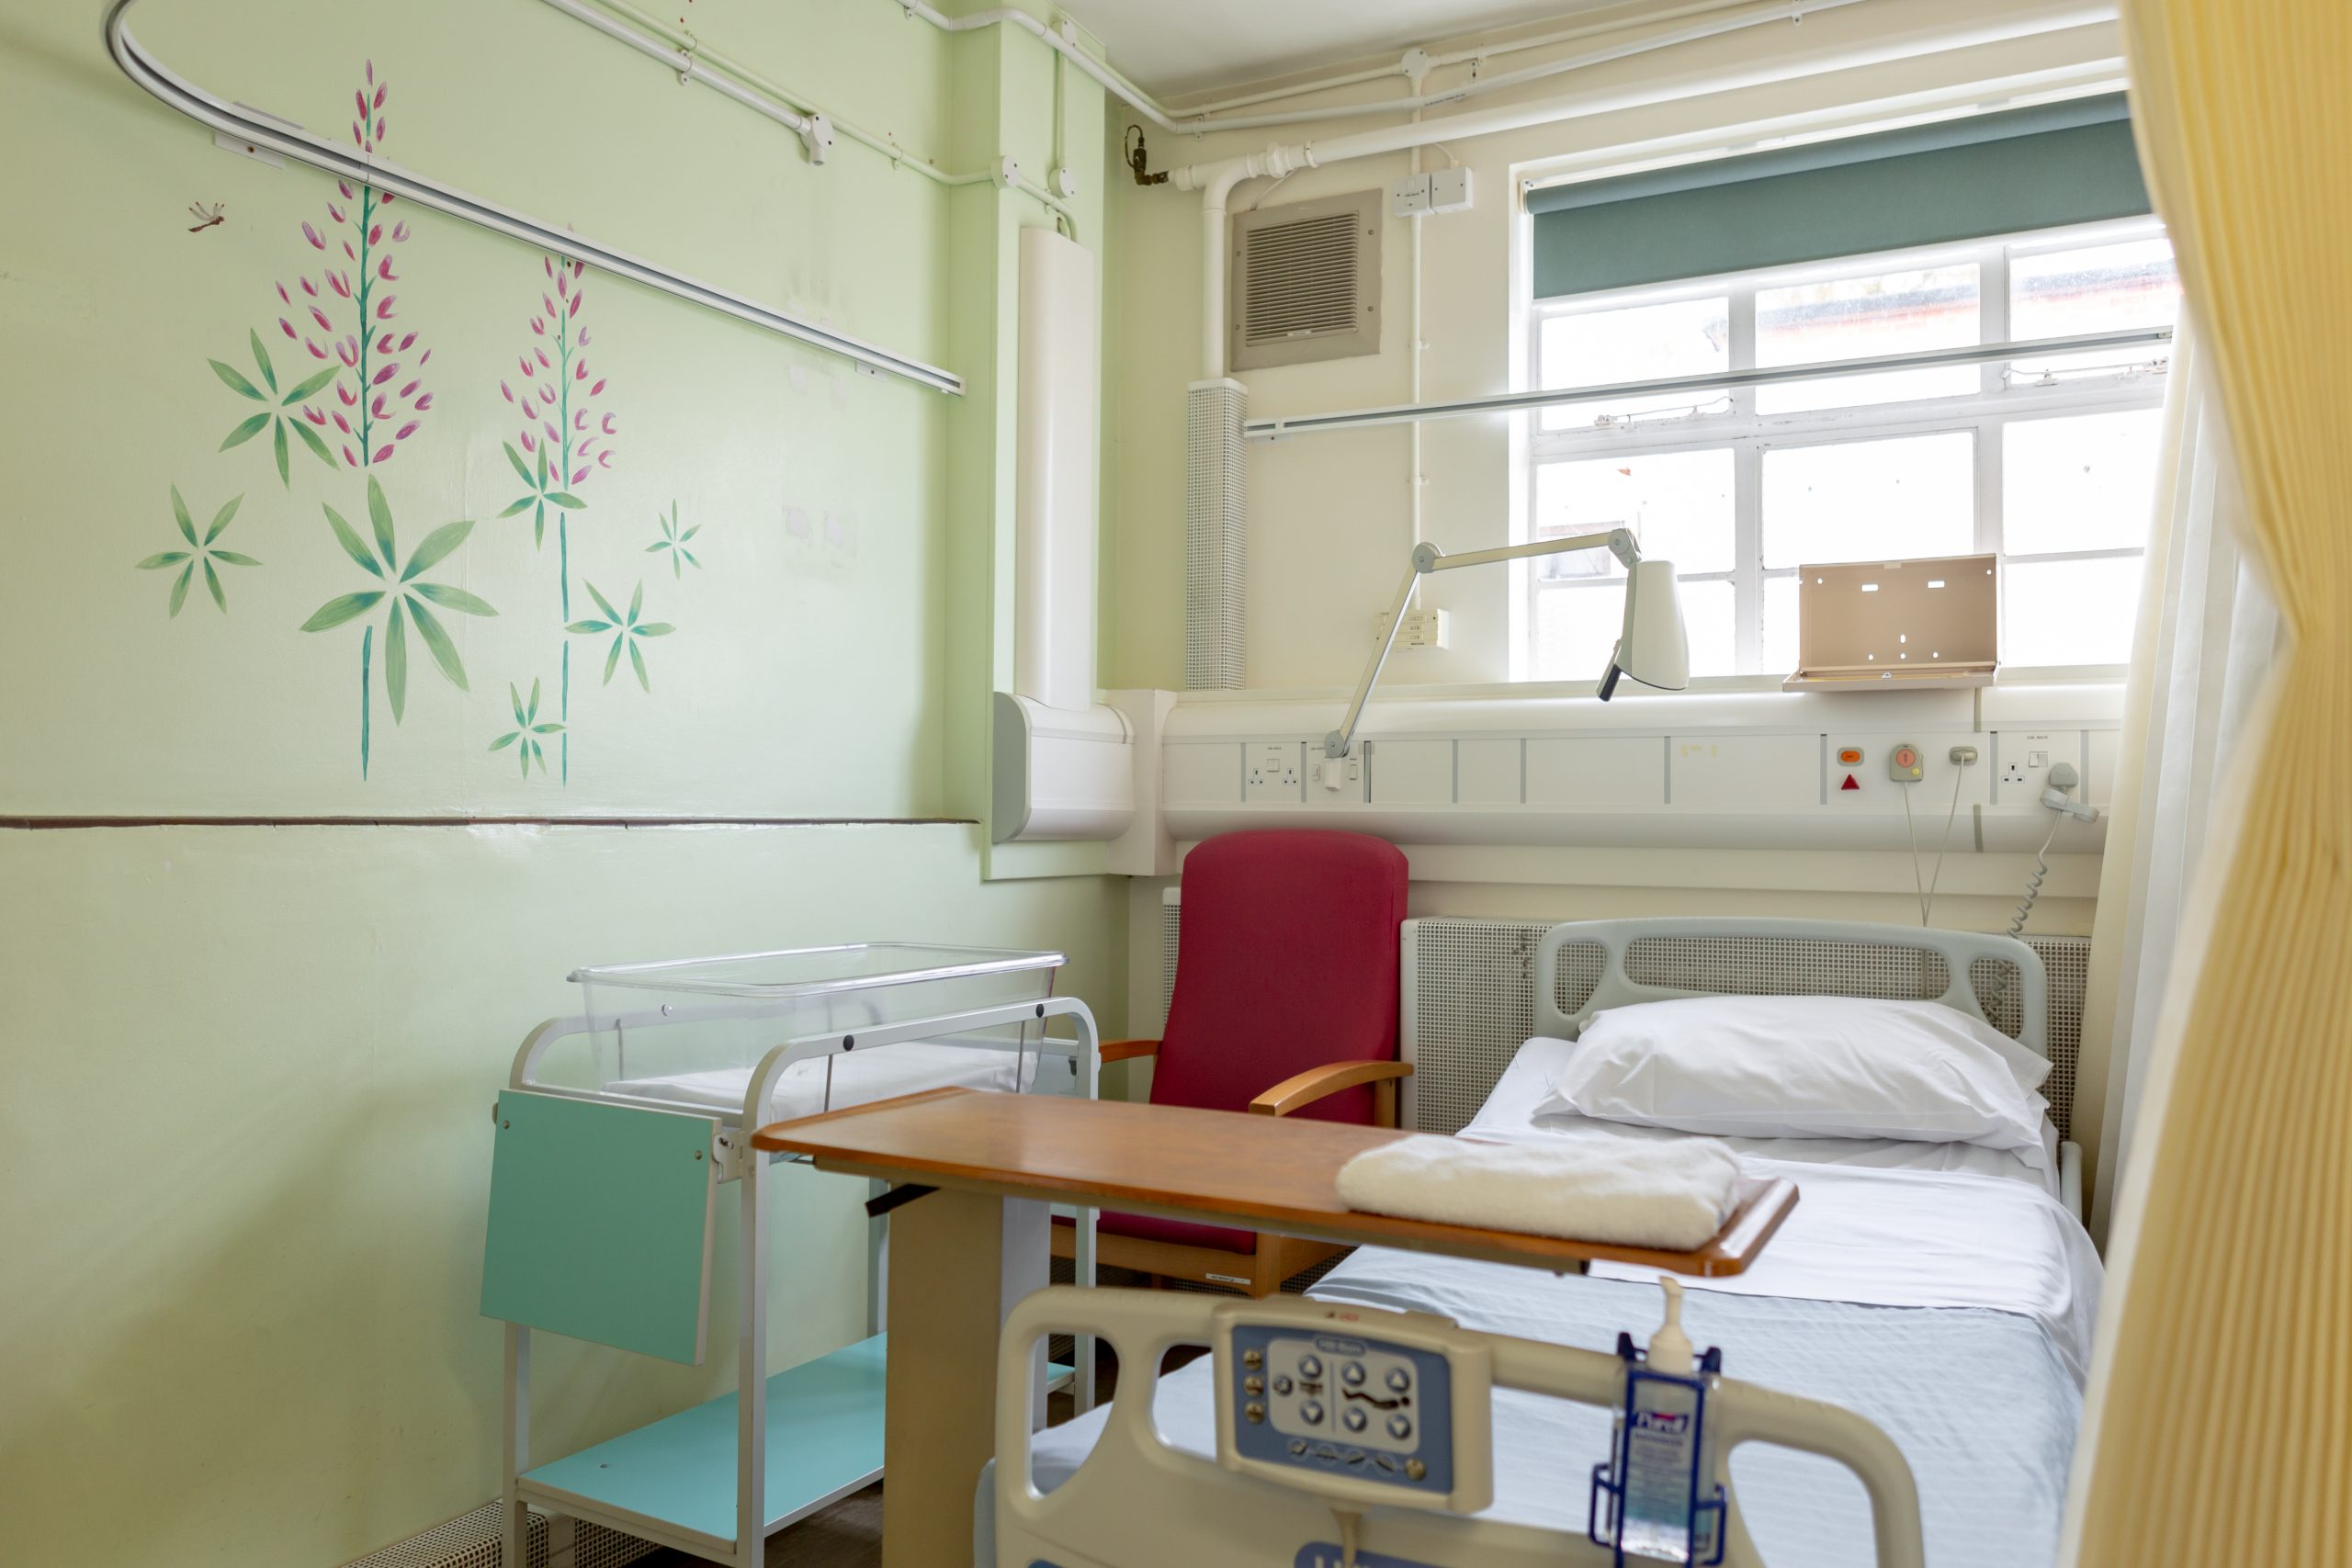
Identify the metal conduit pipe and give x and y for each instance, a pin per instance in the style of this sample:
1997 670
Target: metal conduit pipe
692 62
814 132
1422 62
1775 11
350 163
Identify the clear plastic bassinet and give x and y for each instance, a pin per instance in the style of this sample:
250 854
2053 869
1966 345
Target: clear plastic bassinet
691 1032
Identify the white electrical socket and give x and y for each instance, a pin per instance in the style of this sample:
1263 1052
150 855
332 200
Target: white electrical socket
1422 628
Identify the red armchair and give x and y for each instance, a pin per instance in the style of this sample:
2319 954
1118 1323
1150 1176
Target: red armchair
1285 1004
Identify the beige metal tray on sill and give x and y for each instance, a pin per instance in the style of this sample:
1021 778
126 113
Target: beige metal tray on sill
1903 623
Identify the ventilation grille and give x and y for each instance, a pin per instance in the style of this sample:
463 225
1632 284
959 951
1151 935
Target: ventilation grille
1306 282
1216 536
475 1541
1301 278
1472 986
1171 920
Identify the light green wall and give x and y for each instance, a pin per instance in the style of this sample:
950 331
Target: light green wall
245 1146
246 1143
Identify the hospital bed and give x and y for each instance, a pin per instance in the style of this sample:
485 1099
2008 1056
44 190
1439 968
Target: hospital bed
618 1127
1977 1377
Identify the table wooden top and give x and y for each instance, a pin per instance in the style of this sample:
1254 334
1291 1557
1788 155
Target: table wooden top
1262 1173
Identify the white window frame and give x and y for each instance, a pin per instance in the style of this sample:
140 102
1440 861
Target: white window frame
2136 384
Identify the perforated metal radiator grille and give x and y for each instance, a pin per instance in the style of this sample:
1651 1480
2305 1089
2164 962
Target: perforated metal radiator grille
1473 1004
473 1540
1472 985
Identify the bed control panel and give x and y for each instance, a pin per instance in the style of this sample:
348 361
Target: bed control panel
1352 1404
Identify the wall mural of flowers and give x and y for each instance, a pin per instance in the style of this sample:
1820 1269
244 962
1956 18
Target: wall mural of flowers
347 385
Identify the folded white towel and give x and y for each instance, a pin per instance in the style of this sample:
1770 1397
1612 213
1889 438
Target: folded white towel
1673 1194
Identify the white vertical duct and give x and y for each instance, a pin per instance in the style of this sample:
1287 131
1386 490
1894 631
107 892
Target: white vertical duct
1054 485
1061 767
1215 535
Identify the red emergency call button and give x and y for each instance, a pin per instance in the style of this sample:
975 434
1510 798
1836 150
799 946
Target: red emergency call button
1849 783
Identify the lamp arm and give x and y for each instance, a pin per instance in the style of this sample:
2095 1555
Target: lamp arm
1428 557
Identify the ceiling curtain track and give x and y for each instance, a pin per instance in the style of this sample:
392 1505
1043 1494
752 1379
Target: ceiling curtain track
2218 1417
351 164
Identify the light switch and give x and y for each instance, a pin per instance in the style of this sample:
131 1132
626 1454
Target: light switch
2037 759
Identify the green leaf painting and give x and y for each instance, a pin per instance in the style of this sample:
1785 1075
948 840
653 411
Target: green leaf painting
203 553
627 632
406 601
527 728
544 490
566 440
281 408
674 543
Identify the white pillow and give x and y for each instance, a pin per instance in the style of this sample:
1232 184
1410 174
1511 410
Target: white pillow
1805 1066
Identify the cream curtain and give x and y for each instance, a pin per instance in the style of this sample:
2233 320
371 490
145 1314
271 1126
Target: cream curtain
2206 636
2217 1428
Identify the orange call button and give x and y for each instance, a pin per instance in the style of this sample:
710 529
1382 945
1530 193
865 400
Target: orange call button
1849 756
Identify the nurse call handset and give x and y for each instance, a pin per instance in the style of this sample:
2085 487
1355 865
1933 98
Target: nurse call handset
1355 1404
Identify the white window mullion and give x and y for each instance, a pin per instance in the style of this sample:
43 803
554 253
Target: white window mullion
1747 546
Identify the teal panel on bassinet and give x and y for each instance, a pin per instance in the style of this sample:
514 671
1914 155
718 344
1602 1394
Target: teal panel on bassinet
600 1224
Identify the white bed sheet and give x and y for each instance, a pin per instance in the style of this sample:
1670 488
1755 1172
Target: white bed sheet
1509 1115
859 1077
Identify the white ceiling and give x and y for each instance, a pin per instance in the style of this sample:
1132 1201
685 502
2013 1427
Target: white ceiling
1170 47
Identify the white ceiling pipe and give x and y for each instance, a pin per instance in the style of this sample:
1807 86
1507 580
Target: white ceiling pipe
1777 11
1109 79
1216 179
1422 59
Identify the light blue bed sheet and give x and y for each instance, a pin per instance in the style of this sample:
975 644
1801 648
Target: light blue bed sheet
1981 1402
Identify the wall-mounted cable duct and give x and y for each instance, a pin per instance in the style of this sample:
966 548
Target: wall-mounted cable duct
352 164
693 60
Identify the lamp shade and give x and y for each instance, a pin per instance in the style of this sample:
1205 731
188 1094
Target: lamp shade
1652 647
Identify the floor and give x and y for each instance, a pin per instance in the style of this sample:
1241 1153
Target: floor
849 1533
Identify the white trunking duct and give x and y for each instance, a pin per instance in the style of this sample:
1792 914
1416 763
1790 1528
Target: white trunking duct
1735 771
1061 764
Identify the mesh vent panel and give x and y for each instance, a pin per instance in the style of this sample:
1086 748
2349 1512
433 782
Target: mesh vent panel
1786 967
474 1541
1171 918
2067 959
1475 1007
1216 536
1578 977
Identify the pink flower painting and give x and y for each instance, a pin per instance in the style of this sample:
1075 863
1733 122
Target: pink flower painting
346 314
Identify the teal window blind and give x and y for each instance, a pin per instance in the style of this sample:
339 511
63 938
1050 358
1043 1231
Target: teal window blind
1954 180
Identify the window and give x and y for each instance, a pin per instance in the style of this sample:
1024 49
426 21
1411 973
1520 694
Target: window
2050 463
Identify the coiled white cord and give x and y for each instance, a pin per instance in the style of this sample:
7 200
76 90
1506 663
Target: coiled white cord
2033 882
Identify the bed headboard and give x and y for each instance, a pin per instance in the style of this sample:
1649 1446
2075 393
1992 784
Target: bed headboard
1658 959
1475 988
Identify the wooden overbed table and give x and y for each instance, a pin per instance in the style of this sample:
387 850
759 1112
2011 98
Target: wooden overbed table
962 1255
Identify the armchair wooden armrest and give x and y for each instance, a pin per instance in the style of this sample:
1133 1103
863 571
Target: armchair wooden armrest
1127 1050
1314 1083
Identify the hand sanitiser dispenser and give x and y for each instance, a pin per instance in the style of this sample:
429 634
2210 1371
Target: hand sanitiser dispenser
1657 1497
1352 1436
